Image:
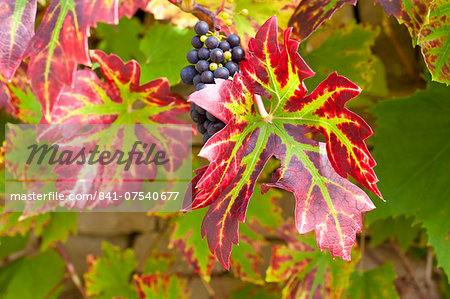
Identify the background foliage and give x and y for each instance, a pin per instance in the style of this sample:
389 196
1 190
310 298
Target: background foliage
401 63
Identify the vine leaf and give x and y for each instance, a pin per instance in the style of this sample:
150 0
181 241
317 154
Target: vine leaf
60 43
120 100
411 13
109 276
326 201
17 27
310 14
162 286
303 270
417 185
434 39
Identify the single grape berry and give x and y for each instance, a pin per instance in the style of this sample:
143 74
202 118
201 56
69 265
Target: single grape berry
216 55
205 137
192 56
187 74
221 73
200 86
210 116
196 42
213 66
200 110
202 66
203 53
194 115
227 56
215 127
232 67
206 123
233 40
238 54
201 28
212 42
196 79
201 128
192 107
224 46
207 77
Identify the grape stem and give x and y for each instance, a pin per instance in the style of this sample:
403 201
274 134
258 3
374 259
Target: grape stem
261 108
199 11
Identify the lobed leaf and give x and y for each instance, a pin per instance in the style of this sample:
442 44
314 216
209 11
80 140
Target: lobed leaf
411 13
434 39
60 43
305 271
310 14
109 275
326 202
186 239
119 100
17 27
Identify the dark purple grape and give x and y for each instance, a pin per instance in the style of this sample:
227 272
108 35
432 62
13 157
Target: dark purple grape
203 53
206 123
201 28
202 66
194 115
192 56
187 74
211 42
206 137
207 77
200 86
215 127
232 67
221 73
210 116
196 79
192 108
224 46
201 128
233 40
238 54
217 55
200 110
196 42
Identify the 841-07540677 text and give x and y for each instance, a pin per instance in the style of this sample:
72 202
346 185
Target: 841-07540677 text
132 195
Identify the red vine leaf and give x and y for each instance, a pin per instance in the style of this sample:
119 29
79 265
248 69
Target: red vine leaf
17 27
326 201
129 7
120 100
303 270
60 43
309 14
412 13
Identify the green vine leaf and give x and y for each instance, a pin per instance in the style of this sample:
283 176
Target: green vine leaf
414 155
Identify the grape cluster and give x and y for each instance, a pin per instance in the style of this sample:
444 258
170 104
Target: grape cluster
214 56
